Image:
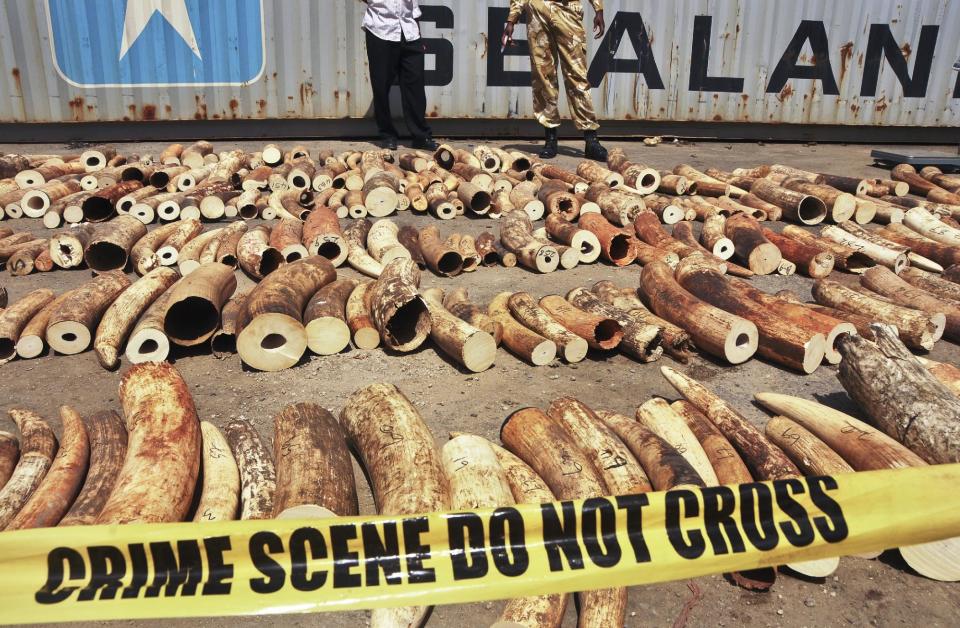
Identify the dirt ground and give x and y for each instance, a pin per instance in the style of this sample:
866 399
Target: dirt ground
881 592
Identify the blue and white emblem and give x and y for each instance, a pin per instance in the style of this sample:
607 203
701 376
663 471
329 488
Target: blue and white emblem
113 43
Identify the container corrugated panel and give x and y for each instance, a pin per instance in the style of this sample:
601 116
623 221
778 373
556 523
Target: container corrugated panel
876 62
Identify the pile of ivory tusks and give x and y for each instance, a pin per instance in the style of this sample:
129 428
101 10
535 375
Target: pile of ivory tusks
146 469
304 306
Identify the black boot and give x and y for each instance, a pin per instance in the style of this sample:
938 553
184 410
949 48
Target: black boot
549 150
593 149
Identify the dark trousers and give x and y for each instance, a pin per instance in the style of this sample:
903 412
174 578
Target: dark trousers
403 60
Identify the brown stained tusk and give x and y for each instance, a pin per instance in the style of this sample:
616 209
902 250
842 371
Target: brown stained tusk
766 461
519 339
663 464
943 254
600 332
616 246
162 462
118 321
918 330
811 261
760 255
468 345
9 454
611 459
525 310
779 341
658 417
845 258
683 232
676 341
714 239
258 478
797 207
110 243
841 205
325 318
799 315
193 310
885 282
440 258
286 237
16 318
271 335
108 448
714 330
546 447
397 450
38 445
61 484
313 463
397 309
409 238
72 324
641 339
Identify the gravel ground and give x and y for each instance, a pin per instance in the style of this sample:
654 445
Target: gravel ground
881 592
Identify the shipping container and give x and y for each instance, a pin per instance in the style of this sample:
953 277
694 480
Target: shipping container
785 62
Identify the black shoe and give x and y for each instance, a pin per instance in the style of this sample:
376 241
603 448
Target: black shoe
424 143
593 149
389 143
549 150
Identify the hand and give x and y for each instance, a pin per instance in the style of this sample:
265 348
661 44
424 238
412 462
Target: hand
599 26
507 39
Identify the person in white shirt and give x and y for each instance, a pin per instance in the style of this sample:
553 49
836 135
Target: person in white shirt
395 51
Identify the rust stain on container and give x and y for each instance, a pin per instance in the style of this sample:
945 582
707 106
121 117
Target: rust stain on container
16 80
201 112
785 93
149 112
76 108
234 107
846 52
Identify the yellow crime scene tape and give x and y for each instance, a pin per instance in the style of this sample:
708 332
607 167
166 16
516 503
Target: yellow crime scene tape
254 567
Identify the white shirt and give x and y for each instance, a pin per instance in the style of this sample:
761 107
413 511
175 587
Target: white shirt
387 19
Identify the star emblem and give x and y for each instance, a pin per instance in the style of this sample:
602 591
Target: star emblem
138 15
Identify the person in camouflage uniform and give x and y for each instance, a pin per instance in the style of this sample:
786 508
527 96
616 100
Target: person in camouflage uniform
556 34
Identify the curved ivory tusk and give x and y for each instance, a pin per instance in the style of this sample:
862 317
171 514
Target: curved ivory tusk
611 459
658 417
122 315
38 446
313 463
159 472
220 489
406 475
108 448
258 477
53 497
528 312
545 446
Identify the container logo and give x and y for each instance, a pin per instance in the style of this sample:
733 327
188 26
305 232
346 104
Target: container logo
116 43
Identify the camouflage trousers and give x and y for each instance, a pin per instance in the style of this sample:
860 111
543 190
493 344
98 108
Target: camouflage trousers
556 35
